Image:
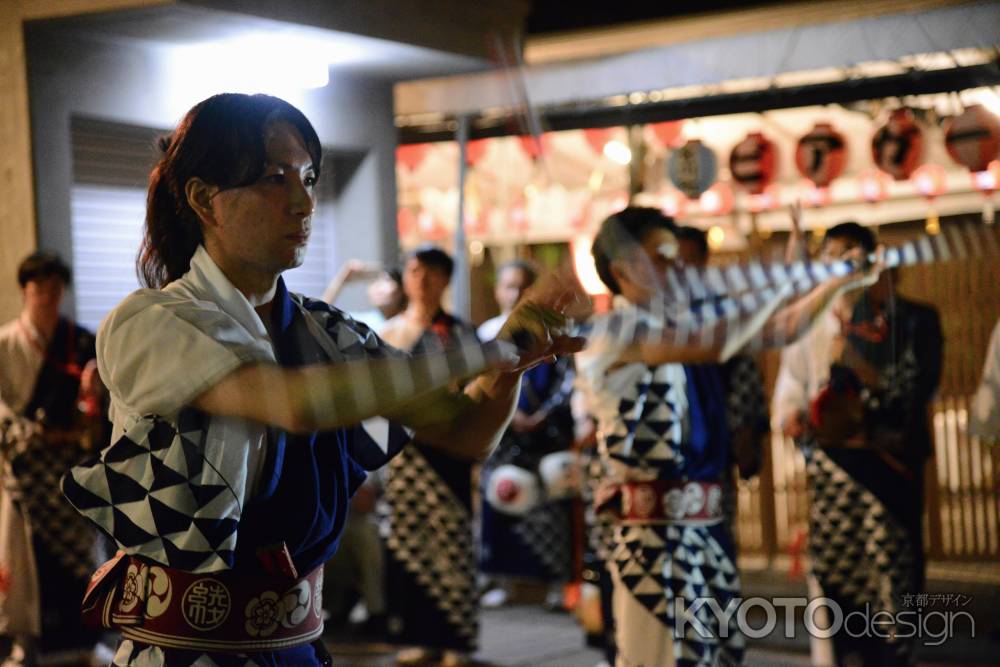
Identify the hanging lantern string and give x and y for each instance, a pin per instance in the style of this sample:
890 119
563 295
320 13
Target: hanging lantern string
726 307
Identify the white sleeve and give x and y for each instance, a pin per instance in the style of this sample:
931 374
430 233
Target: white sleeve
791 386
607 339
157 352
984 415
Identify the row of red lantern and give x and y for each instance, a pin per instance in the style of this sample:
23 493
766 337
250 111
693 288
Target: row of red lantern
929 180
972 139
718 199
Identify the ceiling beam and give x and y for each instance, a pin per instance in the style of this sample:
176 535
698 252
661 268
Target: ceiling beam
593 114
51 9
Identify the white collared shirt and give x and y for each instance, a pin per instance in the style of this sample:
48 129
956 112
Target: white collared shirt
804 370
21 359
609 388
160 349
984 413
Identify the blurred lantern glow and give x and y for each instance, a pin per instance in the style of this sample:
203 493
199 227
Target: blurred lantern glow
816 195
670 133
987 182
598 137
519 218
405 222
989 179
710 201
583 264
874 185
716 237
618 152
717 200
534 146
673 204
596 180
619 202
989 99
929 180
766 200
426 224
411 155
476 150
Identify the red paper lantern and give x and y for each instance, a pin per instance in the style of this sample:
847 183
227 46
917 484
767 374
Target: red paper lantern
669 133
753 163
411 155
897 146
597 137
973 138
930 180
821 154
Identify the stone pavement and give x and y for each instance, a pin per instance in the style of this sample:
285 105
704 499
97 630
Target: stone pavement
528 636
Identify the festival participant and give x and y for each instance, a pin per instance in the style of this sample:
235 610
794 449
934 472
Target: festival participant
431 572
529 542
984 414
244 416
47 551
746 403
663 438
855 395
385 291
513 280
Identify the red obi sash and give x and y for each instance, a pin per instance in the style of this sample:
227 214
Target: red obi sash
225 612
671 501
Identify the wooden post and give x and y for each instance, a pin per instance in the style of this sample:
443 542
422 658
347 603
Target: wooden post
460 287
17 203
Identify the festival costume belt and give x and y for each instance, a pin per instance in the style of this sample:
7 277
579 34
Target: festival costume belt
670 501
227 612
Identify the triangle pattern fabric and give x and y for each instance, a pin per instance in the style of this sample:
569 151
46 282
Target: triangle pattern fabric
123 450
440 561
860 553
653 563
139 498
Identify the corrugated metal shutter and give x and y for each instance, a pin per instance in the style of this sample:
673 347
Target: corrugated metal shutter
111 164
